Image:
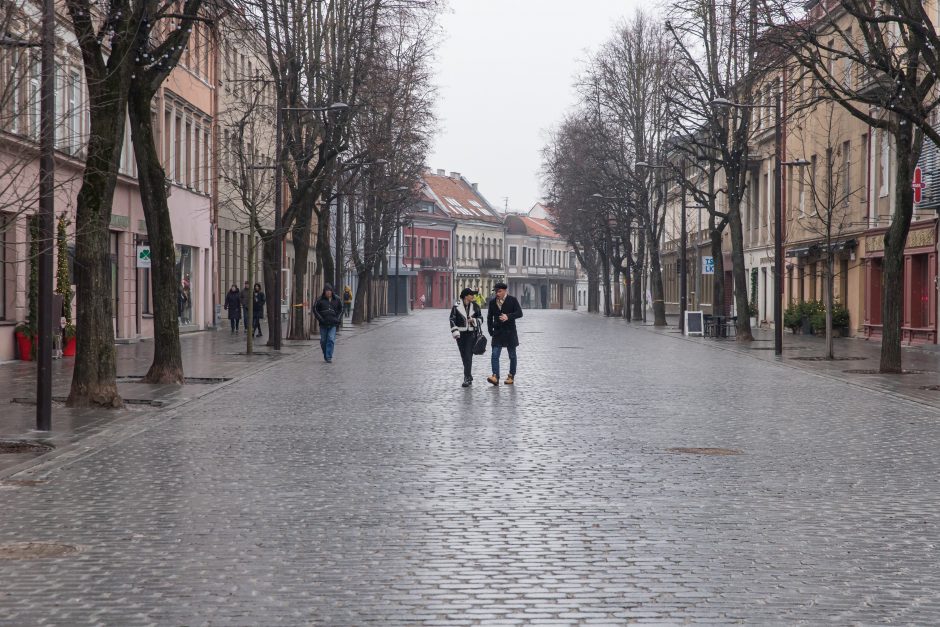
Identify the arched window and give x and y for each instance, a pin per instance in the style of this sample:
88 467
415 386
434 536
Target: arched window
463 246
476 242
499 253
487 253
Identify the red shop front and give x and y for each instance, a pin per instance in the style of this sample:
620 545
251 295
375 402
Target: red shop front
919 315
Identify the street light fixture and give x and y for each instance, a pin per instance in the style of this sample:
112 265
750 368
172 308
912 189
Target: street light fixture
720 103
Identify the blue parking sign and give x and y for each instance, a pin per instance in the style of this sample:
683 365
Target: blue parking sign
708 265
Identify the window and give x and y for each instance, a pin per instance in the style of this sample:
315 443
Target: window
35 73
512 255
177 147
802 191
3 267
864 150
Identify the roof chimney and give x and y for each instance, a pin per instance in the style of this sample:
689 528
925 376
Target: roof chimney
455 175
474 186
440 172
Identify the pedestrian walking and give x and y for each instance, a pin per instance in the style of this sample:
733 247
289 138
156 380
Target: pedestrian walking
257 310
465 322
501 319
347 301
245 296
233 305
328 310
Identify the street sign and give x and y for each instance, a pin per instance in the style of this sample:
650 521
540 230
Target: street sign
143 256
918 184
708 265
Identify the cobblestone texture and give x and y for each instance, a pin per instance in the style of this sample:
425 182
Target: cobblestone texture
375 490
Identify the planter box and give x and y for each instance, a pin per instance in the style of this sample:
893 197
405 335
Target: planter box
68 347
26 346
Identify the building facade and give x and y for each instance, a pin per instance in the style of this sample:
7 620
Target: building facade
540 266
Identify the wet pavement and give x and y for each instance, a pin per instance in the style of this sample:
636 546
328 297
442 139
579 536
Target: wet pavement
376 490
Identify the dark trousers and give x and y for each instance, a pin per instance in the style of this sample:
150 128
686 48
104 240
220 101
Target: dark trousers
256 326
234 323
465 345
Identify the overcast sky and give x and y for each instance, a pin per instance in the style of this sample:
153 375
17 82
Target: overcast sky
505 70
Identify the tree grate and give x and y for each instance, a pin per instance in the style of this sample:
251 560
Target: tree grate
23 446
37 550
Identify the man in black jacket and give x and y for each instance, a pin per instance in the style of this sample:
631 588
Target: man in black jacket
328 311
501 318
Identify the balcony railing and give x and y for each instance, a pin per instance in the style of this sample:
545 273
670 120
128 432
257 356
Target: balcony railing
491 264
435 262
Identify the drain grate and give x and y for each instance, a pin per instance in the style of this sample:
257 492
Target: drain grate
704 451
36 550
24 446
577 348
22 483
932 388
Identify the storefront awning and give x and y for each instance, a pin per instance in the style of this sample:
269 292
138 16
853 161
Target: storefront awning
818 249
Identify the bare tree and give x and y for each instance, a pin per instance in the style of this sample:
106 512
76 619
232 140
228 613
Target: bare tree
716 42
163 36
633 74
395 131
830 194
877 60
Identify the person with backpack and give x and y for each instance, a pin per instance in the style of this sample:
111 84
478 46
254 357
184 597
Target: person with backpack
328 310
257 310
465 323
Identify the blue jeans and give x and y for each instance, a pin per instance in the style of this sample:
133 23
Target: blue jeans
327 341
496 350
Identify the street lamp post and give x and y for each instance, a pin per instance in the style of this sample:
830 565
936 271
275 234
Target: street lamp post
46 213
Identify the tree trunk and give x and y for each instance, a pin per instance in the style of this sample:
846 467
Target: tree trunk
324 254
638 279
94 375
743 326
718 278
656 278
272 308
830 292
605 273
167 364
908 149
301 240
362 297
594 286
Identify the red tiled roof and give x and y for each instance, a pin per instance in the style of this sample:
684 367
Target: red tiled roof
525 225
458 199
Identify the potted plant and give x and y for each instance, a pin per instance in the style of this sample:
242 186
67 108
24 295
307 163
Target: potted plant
752 313
840 319
25 338
793 318
63 287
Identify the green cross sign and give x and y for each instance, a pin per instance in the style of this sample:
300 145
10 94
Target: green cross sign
143 256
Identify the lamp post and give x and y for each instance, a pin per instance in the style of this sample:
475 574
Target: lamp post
46 213
778 207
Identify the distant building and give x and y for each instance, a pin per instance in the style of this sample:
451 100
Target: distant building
478 236
540 265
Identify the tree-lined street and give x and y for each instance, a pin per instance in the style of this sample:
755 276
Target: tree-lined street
375 489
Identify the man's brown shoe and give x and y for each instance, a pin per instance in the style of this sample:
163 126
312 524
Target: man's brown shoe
509 380
493 379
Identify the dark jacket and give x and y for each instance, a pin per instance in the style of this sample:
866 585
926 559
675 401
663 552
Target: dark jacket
504 333
244 295
458 321
257 309
233 304
328 311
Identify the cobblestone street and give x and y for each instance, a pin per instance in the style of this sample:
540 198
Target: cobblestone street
376 490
